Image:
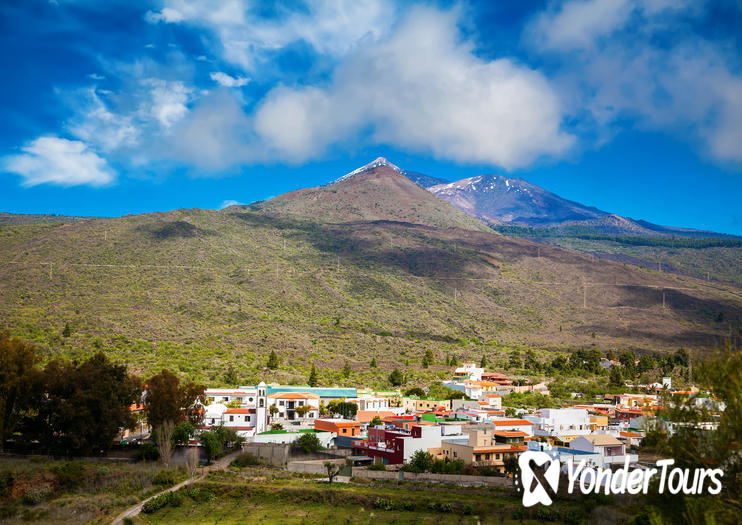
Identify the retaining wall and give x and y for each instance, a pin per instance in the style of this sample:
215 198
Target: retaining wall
466 481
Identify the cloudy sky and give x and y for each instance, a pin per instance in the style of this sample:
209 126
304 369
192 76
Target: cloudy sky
113 107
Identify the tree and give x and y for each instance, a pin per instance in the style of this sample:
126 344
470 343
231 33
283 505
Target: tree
273 410
313 377
681 357
217 439
483 362
616 379
454 361
308 442
164 441
345 409
303 410
373 363
510 463
332 470
276 427
66 331
166 399
414 391
427 358
346 370
421 461
511 412
17 362
530 361
192 461
272 360
231 377
82 407
376 421
515 360
396 378
183 432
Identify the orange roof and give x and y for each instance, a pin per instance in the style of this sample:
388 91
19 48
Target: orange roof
239 411
630 434
513 422
136 407
365 416
337 422
511 434
293 395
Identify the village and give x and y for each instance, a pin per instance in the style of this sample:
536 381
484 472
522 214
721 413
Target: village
385 430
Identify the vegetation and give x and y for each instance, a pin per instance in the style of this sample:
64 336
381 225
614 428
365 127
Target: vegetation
308 442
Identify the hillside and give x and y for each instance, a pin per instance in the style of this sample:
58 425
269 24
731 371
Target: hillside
376 192
201 291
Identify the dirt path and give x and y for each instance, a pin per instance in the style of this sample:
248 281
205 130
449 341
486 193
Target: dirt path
220 464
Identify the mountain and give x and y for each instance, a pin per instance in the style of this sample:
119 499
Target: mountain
372 266
425 181
498 199
378 191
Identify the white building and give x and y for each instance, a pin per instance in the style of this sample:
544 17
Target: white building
287 404
468 371
560 423
610 450
248 418
366 403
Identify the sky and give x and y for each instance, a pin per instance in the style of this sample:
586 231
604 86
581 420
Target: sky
116 107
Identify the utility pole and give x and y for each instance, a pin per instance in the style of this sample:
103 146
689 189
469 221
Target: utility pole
338 262
51 269
105 235
663 298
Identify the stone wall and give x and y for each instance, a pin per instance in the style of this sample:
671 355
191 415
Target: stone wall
465 481
313 466
270 453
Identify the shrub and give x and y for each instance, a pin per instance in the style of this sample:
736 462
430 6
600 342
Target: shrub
35 495
70 475
156 503
176 499
245 460
166 477
147 452
377 466
308 442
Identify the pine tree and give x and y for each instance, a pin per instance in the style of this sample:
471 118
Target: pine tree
396 378
313 377
67 330
483 362
272 360
616 379
427 358
373 363
346 370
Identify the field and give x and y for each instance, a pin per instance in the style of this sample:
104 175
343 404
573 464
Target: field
265 496
41 491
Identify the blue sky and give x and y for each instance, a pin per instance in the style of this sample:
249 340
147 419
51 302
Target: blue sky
633 106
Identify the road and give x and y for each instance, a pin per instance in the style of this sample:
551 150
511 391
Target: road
220 464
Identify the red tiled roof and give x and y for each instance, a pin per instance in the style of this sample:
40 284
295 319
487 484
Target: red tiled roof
513 422
240 411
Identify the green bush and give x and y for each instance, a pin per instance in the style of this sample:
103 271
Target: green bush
245 460
308 442
167 477
70 475
377 466
35 495
156 503
147 452
176 499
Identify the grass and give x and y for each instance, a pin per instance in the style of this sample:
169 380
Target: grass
200 291
41 491
255 495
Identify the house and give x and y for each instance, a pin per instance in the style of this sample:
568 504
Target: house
326 394
242 396
560 425
631 439
367 403
366 416
468 371
290 405
341 427
247 418
289 436
610 450
494 377
415 404
395 446
491 401
484 446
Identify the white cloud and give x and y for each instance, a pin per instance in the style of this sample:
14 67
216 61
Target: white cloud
424 90
576 24
243 38
95 123
611 71
228 81
167 102
55 160
96 76
229 202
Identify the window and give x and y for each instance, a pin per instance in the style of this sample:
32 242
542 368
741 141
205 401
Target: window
231 418
486 456
280 403
212 421
250 399
262 403
477 457
345 431
497 456
455 454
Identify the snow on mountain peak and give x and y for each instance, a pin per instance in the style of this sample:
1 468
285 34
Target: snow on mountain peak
379 161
